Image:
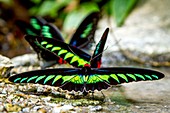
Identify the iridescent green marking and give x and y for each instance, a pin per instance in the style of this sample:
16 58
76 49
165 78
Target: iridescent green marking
75 58
77 80
67 78
68 55
82 62
85 78
23 79
147 76
45 32
48 78
55 49
56 78
62 52
93 79
140 76
49 46
35 24
40 78
155 76
17 79
32 78
86 31
123 76
132 76
30 32
104 77
44 42
115 77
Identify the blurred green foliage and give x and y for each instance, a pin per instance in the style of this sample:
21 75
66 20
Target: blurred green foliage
72 11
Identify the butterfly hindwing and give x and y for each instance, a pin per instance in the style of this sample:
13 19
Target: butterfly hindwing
86 30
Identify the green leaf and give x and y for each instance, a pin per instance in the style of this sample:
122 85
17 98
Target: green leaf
121 9
74 18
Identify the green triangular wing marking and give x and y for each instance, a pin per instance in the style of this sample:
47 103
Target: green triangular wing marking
76 79
115 77
68 55
56 78
55 49
45 32
48 78
32 78
17 79
123 76
23 79
132 76
75 58
147 76
140 76
86 31
44 42
104 77
35 24
94 79
155 76
40 78
49 46
62 52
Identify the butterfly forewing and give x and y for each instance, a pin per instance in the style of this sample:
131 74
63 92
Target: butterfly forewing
51 31
97 55
72 55
86 30
42 53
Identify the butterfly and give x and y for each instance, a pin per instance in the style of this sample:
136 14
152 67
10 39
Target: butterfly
71 54
81 38
84 79
33 27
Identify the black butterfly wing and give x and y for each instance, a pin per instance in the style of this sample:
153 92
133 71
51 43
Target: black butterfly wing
26 28
86 30
51 31
43 53
102 78
86 80
72 55
67 78
37 23
97 55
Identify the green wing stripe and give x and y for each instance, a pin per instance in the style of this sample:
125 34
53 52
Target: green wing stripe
32 78
86 31
48 78
147 76
23 79
40 78
115 77
123 76
44 42
67 78
77 79
132 76
68 55
56 78
75 58
62 52
140 76
49 46
17 79
35 24
155 76
55 49
104 77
